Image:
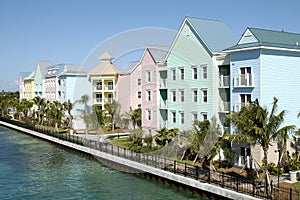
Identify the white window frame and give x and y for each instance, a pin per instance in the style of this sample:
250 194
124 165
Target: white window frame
148 113
195 72
195 95
173 74
203 95
173 113
204 116
181 92
181 73
194 116
204 71
139 94
148 76
139 81
149 95
174 95
181 117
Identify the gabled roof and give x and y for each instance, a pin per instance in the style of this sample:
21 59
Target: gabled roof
268 38
105 67
58 68
158 52
130 67
213 33
30 76
24 74
71 69
43 66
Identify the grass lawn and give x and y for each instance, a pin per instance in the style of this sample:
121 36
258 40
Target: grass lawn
297 186
124 142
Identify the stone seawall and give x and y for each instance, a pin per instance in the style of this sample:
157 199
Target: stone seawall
206 187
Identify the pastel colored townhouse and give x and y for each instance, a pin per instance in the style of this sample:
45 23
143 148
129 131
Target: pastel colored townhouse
152 83
265 64
129 88
51 82
29 86
72 81
195 64
104 79
39 78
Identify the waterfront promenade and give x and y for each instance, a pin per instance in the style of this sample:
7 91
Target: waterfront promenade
216 184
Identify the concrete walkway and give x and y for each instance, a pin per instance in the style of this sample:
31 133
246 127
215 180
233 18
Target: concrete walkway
102 137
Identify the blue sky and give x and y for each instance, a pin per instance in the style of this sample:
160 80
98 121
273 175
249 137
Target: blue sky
67 31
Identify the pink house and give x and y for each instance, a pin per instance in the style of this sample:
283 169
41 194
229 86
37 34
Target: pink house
129 89
51 82
152 58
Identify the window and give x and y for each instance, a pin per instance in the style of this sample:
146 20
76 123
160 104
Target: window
181 74
182 95
98 97
139 106
245 73
195 116
148 95
204 96
110 85
173 74
204 71
173 116
110 97
204 116
195 95
99 85
148 114
139 81
195 73
245 99
182 117
139 94
174 96
148 76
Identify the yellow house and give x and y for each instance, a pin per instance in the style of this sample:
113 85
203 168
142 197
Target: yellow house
29 86
104 79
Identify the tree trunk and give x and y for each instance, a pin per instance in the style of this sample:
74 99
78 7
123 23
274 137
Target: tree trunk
284 153
195 159
183 155
265 163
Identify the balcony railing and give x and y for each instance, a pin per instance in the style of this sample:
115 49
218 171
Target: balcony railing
163 83
163 104
164 124
244 80
98 87
224 81
224 107
238 106
110 87
98 100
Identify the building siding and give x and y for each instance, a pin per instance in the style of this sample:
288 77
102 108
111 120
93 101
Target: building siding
188 51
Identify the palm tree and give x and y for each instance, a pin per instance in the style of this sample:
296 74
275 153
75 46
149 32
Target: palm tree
69 106
113 109
260 125
38 101
84 100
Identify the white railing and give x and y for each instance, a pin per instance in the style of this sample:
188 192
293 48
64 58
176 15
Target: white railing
244 80
163 83
98 100
164 124
224 106
163 104
110 87
98 87
238 106
224 81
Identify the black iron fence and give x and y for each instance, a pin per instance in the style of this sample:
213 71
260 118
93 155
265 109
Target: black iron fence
255 188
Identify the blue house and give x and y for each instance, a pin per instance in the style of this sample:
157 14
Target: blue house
265 64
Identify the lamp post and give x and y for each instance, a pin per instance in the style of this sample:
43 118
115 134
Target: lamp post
278 165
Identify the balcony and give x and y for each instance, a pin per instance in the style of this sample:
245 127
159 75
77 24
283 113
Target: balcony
238 106
164 124
224 107
110 87
243 80
163 84
224 81
163 104
98 100
98 87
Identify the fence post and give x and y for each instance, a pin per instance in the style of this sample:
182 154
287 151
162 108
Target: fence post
184 169
291 194
222 179
165 164
253 187
209 176
237 184
174 166
197 172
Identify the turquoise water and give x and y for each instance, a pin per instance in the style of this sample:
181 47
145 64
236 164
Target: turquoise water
31 168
